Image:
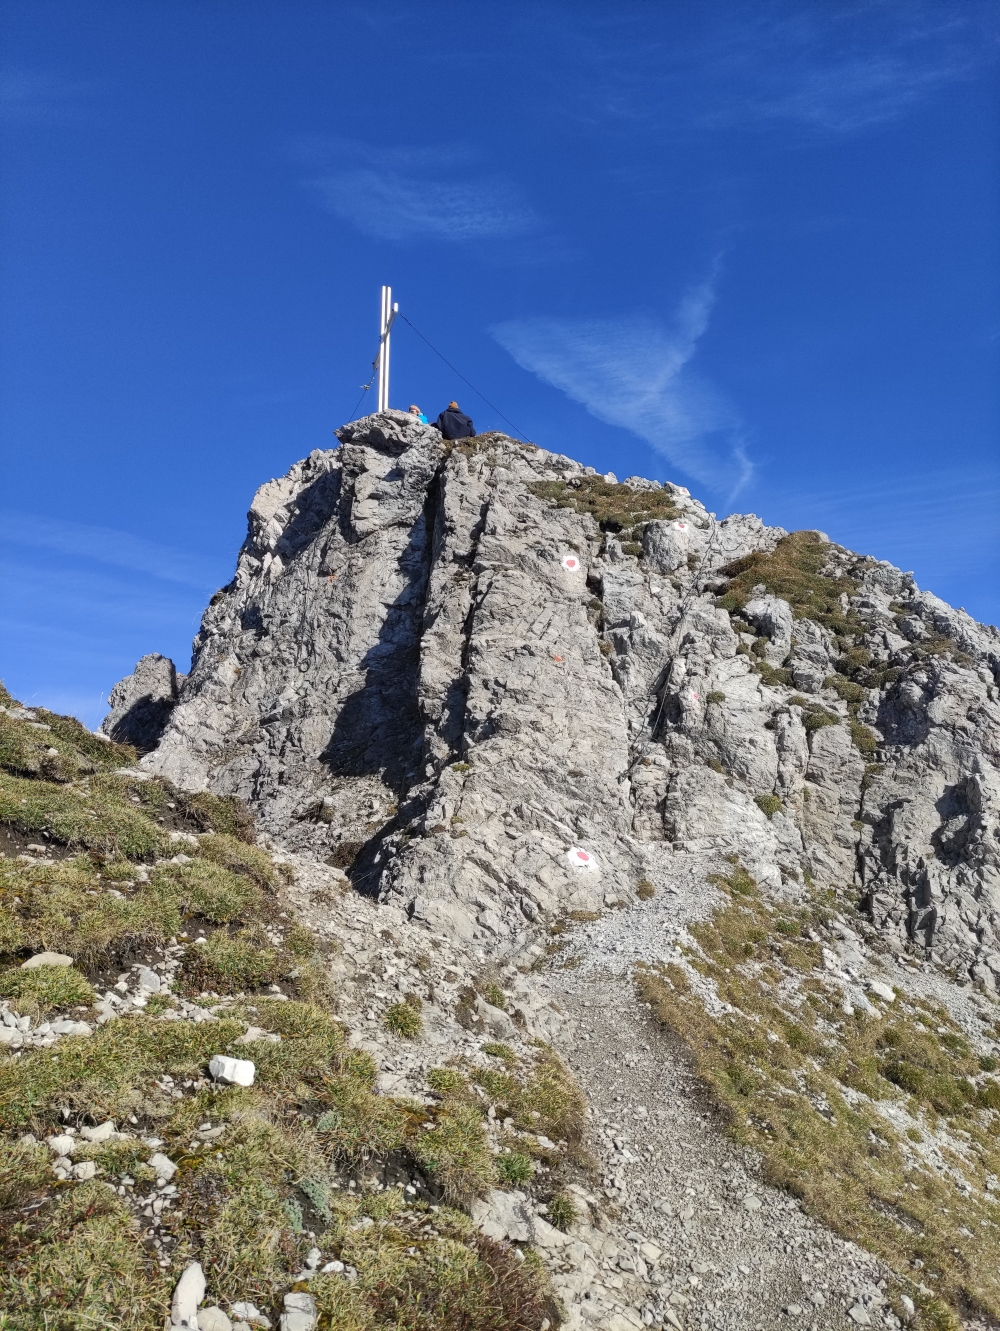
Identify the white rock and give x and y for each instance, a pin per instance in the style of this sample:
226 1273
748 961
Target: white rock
104 1132
46 959
859 1315
883 991
63 1144
232 1071
164 1166
148 980
188 1293
299 1314
71 1028
752 1203
85 1170
213 1319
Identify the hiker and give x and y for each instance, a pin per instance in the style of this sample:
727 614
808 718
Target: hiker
415 411
454 424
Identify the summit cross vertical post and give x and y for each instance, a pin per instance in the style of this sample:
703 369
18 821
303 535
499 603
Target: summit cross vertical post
389 312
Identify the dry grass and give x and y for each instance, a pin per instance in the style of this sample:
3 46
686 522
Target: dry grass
615 508
793 571
77 1256
800 1080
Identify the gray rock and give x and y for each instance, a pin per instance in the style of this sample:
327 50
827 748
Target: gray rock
148 980
299 1314
164 1166
141 703
503 1215
404 673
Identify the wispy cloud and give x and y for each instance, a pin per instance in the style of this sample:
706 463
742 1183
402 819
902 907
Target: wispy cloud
840 71
635 373
840 67
425 193
106 545
32 95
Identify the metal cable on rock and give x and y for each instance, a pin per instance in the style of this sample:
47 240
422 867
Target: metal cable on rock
464 380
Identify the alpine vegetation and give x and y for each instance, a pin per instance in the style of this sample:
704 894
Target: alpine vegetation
540 904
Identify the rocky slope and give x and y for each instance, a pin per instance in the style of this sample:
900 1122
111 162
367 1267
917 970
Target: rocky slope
548 772
448 668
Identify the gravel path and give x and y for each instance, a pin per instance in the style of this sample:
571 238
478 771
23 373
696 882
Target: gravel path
735 1252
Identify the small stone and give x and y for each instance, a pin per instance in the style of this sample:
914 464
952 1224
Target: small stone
85 1170
794 1310
883 991
62 1145
909 1307
752 1203
164 1166
102 1133
299 1314
188 1293
232 1071
859 1315
213 1319
46 959
149 980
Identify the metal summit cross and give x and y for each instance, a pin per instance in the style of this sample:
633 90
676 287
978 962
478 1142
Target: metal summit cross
389 312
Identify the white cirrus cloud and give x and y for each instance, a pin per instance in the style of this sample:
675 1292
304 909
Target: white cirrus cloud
106 545
635 373
390 205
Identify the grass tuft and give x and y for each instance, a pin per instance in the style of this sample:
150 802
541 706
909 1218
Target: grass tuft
404 1019
44 989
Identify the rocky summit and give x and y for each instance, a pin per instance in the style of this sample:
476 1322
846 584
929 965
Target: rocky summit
541 904
498 687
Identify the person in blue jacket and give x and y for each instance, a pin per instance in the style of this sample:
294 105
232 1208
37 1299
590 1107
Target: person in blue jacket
415 411
454 424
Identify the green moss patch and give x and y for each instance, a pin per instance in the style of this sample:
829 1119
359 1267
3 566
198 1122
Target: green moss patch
793 571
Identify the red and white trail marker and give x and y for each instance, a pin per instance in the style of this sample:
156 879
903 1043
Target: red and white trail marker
571 563
681 526
582 859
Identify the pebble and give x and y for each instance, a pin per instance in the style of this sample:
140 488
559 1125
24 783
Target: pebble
752 1203
859 1315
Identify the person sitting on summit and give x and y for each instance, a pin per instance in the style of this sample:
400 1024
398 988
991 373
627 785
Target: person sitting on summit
454 424
415 411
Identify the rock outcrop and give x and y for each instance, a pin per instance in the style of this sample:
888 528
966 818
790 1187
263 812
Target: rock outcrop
498 688
142 702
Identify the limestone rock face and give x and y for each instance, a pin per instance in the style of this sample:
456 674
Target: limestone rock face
142 702
492 712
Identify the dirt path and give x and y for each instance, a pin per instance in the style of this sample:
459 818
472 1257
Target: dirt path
735 1253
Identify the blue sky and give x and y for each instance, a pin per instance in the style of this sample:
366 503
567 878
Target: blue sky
748 247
